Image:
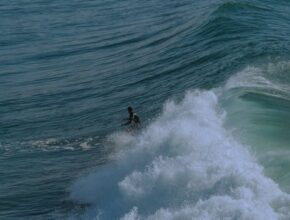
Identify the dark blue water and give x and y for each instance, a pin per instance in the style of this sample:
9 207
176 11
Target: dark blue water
69 69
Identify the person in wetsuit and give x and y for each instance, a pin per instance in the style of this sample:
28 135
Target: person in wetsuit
133 119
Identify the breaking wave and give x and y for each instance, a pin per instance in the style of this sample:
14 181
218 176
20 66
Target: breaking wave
184 165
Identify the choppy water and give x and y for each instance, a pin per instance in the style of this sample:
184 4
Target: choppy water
209 79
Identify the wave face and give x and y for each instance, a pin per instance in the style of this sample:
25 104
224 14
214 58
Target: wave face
260 96
208 78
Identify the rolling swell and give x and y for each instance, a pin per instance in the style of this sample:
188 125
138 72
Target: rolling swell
204 40
70 68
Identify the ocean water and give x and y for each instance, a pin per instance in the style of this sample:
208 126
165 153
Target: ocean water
210 80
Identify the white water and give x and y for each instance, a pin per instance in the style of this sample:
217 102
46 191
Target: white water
184 165
187 165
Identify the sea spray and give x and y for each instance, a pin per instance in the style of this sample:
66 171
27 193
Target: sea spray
184 165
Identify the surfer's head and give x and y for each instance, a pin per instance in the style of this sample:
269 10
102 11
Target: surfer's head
130 109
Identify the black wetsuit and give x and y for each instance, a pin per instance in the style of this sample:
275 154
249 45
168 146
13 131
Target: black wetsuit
134 120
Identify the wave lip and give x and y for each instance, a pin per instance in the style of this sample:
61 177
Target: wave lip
185 165
257 101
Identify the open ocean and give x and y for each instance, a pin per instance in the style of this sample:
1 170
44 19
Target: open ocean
210 80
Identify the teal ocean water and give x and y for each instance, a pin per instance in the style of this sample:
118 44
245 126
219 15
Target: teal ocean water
210 81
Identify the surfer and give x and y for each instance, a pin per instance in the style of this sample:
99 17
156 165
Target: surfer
133 119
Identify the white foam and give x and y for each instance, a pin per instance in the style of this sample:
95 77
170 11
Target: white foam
270 79
184 165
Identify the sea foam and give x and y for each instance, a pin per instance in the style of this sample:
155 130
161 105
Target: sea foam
184 165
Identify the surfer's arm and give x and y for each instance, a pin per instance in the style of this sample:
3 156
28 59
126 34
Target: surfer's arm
129 120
